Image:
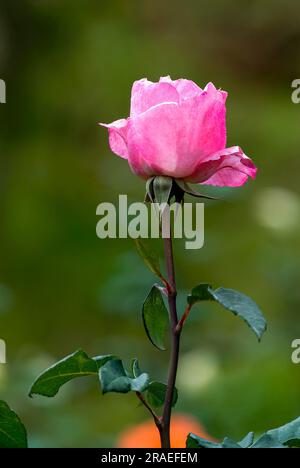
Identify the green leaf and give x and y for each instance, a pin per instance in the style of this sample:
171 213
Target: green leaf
156 394
242 306
12 431
155 317
247 441
267 441
114 378
135 368
283 437
149 190
162 187
230 444
200 293
289 434
194 441
238 303
149 256
76 365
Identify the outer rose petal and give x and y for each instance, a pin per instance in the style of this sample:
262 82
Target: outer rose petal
152 141
146 94
227 168
118 137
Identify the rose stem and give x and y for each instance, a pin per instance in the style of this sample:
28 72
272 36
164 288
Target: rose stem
164 427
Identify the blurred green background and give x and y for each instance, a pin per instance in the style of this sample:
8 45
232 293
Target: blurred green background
69 65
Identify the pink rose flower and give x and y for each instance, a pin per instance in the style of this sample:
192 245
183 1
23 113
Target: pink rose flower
177 129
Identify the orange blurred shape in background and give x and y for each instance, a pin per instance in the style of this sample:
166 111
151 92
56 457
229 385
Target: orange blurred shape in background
145 435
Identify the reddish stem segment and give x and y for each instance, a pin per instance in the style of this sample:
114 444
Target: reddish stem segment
157 420
183 318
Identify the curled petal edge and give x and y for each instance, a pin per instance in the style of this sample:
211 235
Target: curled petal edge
229 167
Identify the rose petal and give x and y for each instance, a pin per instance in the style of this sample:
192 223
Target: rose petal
230 168
216 93
152 141
146 94
185 88
118 137
204 123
